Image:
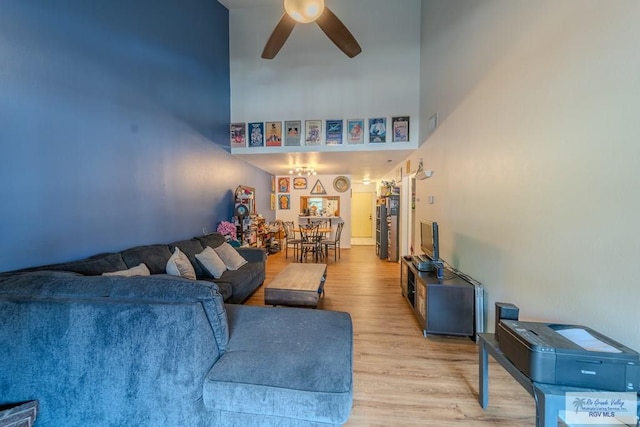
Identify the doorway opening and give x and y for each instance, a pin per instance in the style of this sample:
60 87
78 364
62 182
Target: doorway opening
362 218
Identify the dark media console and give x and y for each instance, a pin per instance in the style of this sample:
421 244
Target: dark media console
449 305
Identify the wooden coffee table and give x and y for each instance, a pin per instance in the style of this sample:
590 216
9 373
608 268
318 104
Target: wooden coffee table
297 285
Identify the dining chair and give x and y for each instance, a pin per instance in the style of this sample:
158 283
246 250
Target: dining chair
311 239
333 243
290 236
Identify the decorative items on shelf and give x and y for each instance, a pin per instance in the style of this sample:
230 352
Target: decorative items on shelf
244 210
227 229
387 188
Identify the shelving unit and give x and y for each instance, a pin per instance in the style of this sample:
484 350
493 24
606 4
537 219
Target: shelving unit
382 232
245 203
393 227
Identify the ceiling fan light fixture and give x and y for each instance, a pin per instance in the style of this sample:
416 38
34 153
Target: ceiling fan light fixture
304 11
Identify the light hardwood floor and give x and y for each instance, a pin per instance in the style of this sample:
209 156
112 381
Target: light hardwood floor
400 377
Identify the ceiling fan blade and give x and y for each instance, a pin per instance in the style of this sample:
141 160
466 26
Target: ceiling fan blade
279 35
338 33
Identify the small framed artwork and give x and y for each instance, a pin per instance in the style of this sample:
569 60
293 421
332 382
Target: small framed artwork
238 133
273 184
318 188
284 202
378 129
256 134
292 130
334 132
284 183
273 201
299 183
400 128
355 131
313 132
274 134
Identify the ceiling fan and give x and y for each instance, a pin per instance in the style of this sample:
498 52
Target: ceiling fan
306 11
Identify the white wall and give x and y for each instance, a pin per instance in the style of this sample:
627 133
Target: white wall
311 79
327 182
535 158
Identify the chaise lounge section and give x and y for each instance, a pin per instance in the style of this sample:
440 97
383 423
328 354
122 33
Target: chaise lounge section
166 351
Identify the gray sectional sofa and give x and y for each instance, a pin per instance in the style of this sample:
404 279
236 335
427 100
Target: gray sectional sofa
161 350
235 286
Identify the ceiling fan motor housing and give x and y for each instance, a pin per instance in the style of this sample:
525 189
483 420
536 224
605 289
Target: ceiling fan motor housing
304 11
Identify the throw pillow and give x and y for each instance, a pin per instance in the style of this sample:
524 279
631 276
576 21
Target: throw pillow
232 259
139 270
179 265
212 262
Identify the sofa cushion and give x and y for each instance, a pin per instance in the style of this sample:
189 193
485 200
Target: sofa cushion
211 262
190 248
232 259
253 254
138 270
179 265
213 240
301 371
154 256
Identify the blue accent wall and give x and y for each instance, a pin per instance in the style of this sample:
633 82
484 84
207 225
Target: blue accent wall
114 121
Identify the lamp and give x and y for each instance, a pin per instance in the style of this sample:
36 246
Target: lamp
303 170
304 11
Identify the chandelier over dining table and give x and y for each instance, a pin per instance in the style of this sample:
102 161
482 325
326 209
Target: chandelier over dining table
302 170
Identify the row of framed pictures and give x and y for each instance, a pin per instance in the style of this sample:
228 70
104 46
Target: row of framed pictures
299 183
272 134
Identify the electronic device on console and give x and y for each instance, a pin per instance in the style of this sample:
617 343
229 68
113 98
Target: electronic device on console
429 243
569 355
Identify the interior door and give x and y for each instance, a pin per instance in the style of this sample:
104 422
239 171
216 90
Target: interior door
362 215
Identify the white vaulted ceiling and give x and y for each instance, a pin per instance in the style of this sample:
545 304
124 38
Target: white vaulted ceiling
312 79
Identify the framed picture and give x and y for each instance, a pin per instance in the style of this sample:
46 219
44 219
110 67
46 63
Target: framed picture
274 134
283 184
400 128
355 131
334 132
273 201
256 134
273 184
378 129
292 130
313 132
299 183
318 188
284 202
238 133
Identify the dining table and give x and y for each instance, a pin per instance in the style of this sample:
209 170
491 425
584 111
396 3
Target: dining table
317 250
